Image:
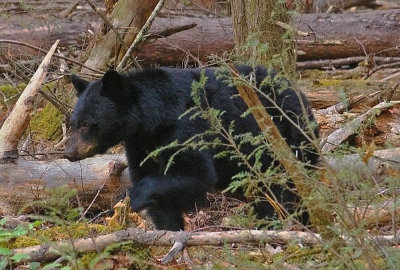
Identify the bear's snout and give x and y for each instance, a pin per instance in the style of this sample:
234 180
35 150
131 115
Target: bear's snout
70 154
78 149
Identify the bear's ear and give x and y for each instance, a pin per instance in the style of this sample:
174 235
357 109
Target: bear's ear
79 84
112 85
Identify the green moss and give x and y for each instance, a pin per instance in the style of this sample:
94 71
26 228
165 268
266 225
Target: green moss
86 259
25 241
46 123
316 82
343 83
74 230
10 92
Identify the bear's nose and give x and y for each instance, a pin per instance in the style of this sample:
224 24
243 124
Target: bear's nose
70 155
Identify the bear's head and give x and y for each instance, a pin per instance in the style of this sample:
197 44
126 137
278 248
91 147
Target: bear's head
96 122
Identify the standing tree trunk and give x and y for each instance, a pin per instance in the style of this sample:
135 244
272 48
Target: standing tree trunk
128 17
255 24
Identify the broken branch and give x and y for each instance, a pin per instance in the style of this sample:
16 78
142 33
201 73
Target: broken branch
14 126
51 251
341 134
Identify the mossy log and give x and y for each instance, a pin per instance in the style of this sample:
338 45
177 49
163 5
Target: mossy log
51 251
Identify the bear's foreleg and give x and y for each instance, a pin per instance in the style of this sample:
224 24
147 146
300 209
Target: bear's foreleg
167 197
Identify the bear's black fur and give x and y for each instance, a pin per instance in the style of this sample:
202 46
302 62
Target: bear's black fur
144 110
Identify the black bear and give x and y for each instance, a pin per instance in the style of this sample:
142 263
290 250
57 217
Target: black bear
145 110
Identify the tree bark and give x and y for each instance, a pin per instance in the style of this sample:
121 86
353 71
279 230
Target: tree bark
255 23
127 16
26 181
344 35
210 36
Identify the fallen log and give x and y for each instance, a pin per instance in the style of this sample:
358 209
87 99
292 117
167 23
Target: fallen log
43 33
26 181
381 164
333 63
330 36
325 96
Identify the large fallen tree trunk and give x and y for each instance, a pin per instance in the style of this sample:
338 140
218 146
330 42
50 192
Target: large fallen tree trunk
42 32
26 181
332 36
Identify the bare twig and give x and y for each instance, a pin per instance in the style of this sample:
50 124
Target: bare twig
176 248
141 36
66 12
170 31
94 198
397 74
346 61
291 28
351 102
61 143
391 92
382 66
362 46
55 55
55 103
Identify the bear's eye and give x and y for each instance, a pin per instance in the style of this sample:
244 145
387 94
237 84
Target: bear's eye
85 124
